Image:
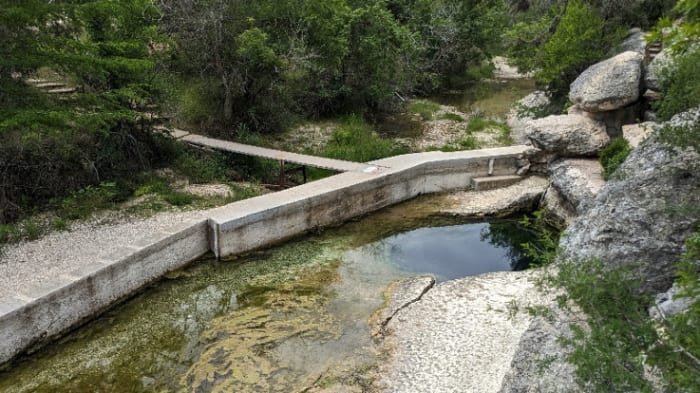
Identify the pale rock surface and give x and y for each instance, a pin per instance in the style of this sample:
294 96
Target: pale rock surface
577 180
539 364
460 336
638 133
634 42
653 75
520 197
568 135
558 208
503 69
669 303
632 219
610 84
526 109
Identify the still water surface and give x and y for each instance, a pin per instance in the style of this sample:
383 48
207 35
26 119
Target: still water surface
278 320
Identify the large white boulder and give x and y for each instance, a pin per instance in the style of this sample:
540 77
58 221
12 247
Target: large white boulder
568 135
610 84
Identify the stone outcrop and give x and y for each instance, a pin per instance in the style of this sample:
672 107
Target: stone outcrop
558 209
653 75
525 109
577 180
613 120
638 133
568 135
610 84
635 42
632 220
539 365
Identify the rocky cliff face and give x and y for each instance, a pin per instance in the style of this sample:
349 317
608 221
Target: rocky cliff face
640 218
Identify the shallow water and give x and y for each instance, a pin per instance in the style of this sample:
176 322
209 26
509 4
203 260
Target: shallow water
279 320
491 99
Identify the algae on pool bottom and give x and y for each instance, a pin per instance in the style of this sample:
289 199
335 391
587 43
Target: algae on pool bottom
282 319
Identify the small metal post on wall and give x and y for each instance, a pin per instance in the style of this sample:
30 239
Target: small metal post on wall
281 181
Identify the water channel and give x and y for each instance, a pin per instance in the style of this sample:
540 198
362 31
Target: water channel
278 320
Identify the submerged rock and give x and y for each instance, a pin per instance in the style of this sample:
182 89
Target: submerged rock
568 135
610 84
460 336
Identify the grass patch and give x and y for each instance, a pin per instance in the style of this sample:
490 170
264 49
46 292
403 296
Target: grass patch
355 140
425 109
479 124
612 157
177 198
452 117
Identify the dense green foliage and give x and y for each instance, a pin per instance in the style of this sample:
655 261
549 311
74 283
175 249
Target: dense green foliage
266 63
613 156
619 337
680 85
355 140
558 40
230 68
50 145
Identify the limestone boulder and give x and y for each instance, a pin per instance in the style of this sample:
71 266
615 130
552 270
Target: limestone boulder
638 133
653 75
614 120
577 180
610 84
638 220
568 135
634 42
526 109
539 364
559 210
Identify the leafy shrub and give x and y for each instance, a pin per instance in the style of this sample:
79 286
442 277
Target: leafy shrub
478 124
425 109
613 156
177 198
452 117
354 140
578 42
202 168
682 137
680 86
608 353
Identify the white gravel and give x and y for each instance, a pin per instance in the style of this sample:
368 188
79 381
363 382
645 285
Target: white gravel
30 264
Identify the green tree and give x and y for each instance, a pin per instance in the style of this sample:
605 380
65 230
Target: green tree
52 145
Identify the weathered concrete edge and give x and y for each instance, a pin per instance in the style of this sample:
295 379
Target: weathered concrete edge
36 315
255 223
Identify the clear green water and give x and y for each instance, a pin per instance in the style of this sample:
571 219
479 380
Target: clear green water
279 320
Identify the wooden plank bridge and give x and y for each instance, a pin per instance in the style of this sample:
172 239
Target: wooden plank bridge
279 155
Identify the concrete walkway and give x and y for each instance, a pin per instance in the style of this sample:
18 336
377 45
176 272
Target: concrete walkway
279 155
47 289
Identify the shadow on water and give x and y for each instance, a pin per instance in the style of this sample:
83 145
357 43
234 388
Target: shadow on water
279 320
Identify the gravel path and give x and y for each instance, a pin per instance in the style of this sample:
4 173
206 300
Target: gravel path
30 264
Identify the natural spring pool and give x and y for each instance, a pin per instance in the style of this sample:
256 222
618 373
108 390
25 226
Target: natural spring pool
284 319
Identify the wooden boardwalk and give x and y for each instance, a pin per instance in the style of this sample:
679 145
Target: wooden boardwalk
279 155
